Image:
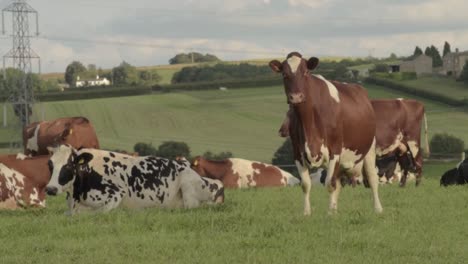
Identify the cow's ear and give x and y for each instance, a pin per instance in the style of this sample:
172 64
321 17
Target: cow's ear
83 158
276 66
312 63
66 133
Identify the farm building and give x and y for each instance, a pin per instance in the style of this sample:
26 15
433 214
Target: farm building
454 62
93 82
420 65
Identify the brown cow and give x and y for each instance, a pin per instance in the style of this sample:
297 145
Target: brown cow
23 182
241 173
398 131
75 131
333 126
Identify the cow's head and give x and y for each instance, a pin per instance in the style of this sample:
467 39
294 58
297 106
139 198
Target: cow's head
386 164
295 72
66 136
63 166
405 158
196 165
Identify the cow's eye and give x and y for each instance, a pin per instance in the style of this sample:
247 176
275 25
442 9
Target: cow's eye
51 165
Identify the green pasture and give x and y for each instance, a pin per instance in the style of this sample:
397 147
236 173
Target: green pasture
243 121
426 224
446 86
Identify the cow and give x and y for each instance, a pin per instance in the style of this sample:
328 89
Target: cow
457 175
23 182
101 180
398 132
242 173
332 126
399 123
75 131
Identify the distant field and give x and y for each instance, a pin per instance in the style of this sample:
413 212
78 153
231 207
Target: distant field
419 225
243 121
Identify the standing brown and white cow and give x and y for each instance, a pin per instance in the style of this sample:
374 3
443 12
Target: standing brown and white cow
241 173
333 126
398 136
75 131
23 182
398 133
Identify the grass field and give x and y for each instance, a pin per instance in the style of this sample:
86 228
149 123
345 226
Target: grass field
419 225
439 85
243 121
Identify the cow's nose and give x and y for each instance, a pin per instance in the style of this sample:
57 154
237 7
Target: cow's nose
219 196
51 190
296 98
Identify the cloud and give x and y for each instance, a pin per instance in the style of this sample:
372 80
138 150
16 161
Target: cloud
152 31
308 3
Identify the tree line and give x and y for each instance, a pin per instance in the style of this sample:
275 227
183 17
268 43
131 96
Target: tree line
432 52
123 74
175 149
193 57
13 79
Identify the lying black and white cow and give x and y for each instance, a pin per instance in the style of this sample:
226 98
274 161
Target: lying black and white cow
101 180
457 175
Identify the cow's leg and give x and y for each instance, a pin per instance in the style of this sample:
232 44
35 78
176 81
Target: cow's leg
333 183
403 179
418 178
370 172
70 204
334 198
306 184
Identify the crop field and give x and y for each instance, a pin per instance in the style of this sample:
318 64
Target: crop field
426 224
243 121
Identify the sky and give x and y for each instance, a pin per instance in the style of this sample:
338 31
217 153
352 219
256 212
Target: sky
150 32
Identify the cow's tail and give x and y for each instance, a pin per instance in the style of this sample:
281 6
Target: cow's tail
428 151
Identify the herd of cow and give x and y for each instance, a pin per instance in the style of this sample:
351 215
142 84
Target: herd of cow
333 127
63 155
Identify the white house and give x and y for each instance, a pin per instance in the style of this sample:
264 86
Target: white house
92 82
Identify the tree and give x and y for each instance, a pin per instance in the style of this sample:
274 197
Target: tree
446 48
341 72
381 68
446 144
125 74
91 71
464 73
355 74
284 156
219 156
192 57
173 149
436 58
144 149
73 70
393 56
417 51
149 76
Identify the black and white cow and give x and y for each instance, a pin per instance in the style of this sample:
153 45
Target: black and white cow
101 181
457 175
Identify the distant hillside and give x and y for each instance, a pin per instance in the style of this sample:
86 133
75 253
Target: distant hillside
168 70
243 121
